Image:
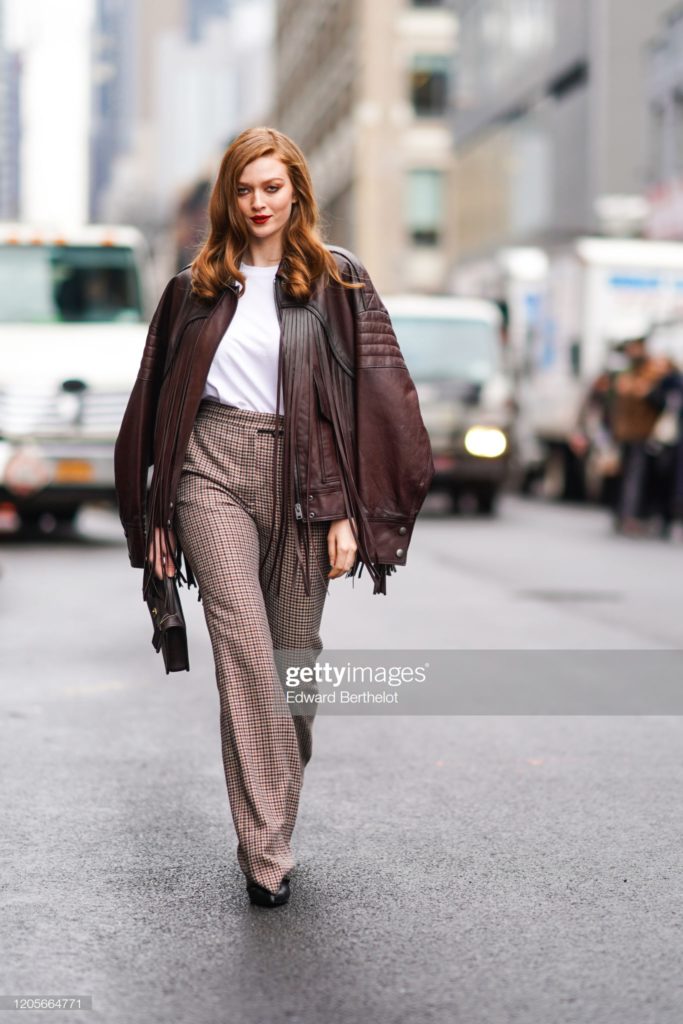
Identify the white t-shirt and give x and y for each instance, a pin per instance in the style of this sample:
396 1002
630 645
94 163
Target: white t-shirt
244 368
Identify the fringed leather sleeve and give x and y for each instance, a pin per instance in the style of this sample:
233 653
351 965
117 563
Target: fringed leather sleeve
133 448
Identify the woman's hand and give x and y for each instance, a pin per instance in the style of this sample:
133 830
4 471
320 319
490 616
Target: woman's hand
341 548
163 558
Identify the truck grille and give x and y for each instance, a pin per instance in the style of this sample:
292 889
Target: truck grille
88 414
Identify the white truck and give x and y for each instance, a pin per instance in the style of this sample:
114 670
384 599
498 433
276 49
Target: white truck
454 351
515 279
73 310
598 291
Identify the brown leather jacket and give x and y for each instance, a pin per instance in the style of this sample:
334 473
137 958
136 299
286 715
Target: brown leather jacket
355 445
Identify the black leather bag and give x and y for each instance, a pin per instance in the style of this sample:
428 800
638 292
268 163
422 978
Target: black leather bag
170 634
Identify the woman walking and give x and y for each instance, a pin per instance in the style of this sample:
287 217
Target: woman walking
288 450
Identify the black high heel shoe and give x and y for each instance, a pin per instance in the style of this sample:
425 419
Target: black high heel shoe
264 897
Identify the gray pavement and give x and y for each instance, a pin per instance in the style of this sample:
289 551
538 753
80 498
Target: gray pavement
472 869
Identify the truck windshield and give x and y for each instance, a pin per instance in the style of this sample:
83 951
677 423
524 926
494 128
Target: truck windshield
72 284
448 348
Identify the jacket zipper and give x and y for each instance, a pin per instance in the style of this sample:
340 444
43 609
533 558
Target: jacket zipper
297 505
298 512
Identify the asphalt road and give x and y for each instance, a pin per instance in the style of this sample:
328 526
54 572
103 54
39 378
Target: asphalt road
474 869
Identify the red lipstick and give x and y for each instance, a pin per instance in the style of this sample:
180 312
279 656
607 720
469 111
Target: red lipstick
260 220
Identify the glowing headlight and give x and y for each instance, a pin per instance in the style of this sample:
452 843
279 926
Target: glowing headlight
486 442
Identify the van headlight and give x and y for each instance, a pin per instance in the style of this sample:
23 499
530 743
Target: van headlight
485 442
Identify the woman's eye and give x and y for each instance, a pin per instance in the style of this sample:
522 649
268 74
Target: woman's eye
242 189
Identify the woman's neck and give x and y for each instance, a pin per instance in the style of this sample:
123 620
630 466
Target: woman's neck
260 260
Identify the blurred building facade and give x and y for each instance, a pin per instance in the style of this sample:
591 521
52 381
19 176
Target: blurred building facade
199 12
123 132
10 84
174 81
113 94
551 116
54 40
665 113
366 90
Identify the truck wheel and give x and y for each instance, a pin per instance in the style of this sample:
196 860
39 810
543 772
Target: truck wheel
65 516
456 494
30 520
487 498
63 519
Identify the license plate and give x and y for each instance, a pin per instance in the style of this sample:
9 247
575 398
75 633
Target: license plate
74 471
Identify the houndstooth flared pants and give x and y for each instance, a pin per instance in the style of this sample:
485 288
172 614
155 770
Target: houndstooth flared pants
223 519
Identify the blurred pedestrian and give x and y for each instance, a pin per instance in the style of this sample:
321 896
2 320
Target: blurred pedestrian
665 446
592 443
269 316
632 416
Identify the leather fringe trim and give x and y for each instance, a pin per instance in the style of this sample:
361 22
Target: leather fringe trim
297 338
384 570
301 332
157 510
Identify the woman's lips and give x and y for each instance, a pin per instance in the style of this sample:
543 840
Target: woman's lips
260 220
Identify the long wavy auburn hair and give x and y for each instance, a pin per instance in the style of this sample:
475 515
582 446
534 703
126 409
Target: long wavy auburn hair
304 256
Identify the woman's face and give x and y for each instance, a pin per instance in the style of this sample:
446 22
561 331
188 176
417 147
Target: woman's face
265 192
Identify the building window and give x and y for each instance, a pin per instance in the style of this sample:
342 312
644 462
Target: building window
429 85
424 213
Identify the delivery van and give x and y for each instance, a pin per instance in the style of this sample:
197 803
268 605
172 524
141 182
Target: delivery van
454 351
598 292
74 306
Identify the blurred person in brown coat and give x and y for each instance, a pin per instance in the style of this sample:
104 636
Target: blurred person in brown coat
614 432
632 416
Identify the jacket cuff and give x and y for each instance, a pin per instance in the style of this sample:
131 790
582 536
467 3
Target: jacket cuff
392 537
135 538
